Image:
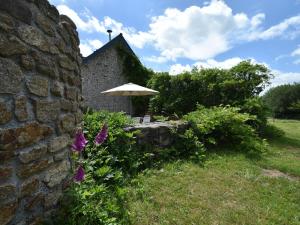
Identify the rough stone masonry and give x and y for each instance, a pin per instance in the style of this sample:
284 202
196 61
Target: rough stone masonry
40 107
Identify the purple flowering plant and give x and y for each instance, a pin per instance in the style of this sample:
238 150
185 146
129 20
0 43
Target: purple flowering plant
80 143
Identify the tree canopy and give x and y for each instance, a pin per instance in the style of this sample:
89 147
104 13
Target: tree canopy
284 101
208 87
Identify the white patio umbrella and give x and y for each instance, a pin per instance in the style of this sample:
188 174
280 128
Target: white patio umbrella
129 89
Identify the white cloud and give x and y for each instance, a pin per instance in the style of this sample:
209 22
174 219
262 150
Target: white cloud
87 47
196 33
210 63
296 54
178 68
284 78
226 64
90 24
281 28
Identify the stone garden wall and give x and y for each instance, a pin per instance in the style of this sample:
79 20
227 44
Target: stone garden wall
40 97
158 134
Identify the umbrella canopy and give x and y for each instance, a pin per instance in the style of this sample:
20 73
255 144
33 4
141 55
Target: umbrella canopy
130 89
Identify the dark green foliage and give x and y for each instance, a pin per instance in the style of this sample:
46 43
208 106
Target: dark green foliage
100 198
272 131
136 73
209 87
225 127
255 106
284 101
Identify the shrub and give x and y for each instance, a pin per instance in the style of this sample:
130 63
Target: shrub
255 106
108 167
225 127
209 87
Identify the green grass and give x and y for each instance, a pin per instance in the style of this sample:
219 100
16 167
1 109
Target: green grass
284 152
228 189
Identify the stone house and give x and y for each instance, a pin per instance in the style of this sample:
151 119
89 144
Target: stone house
103 70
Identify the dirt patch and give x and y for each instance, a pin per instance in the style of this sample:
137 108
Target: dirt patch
277 173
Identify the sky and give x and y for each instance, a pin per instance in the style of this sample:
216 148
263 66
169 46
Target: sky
177 35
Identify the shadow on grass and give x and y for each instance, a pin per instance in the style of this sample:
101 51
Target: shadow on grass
285 141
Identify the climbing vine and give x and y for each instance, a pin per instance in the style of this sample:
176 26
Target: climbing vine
136 73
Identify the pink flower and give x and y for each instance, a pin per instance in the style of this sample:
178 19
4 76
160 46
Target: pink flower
79 176
79 142
102 135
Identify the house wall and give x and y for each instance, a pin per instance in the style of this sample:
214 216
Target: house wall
102 73
40 95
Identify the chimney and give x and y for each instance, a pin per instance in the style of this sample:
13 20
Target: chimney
109 31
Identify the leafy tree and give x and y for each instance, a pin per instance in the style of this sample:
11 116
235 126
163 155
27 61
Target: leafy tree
284 101
209 87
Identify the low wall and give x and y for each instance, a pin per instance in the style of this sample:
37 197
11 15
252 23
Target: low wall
158 133
40 97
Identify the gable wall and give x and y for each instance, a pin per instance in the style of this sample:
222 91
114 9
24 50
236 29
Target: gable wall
102 73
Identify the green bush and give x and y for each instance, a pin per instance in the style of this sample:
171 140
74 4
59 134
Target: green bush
100 198
209 87
225 127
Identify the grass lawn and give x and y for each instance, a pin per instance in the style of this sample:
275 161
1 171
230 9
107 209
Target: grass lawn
228 189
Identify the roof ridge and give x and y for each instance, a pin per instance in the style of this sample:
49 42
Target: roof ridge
117 39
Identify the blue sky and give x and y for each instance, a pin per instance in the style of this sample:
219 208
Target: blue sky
176 35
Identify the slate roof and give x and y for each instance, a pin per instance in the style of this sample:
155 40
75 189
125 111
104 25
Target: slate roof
118 40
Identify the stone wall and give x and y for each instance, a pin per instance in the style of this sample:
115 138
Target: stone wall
159 134
40 95
100 74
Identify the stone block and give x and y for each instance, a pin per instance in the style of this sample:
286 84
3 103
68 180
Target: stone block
29 186
34 202
27 62
74 80
57 89
26 170
24 136
32 154
11 45
17 9
61 155
5 155
45 65
47 111
79 117
57 173
7 212
45 25
34 37
67 123
66 105
59 143
7 191
71 93
38 86
6 172
51 199
66 63
11 77
21 108
5 112
6 22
